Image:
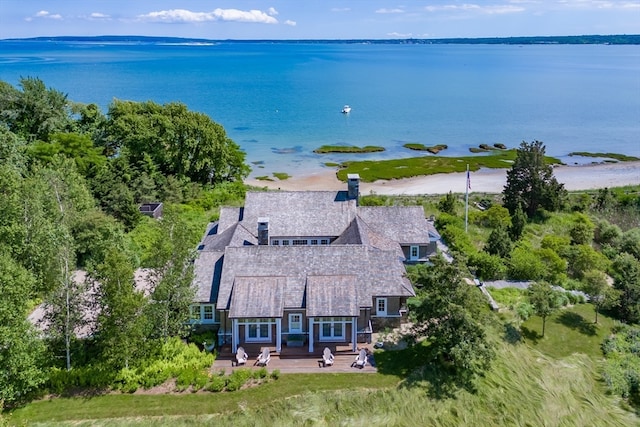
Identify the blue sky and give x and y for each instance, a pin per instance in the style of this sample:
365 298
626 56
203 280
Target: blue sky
318 19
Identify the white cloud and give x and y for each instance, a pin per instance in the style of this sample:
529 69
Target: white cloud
290 23
384 10
601 4
271 11
227 15
46 15
399 35
469 7
97 16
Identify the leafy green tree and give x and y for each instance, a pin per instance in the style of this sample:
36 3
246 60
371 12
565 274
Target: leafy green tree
33 112
21 350
581 258
518 222
89 120
544 301
449 314
606 233
582 230
496 216
111 188
558 244
172 279
65 306
447 204
94 232
626 274
530 182
122 326
555 267
605 199
499 242
601 294
487 266
74 146
630 242
525 264
180 142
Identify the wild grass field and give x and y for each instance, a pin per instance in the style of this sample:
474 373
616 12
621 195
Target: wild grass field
534 381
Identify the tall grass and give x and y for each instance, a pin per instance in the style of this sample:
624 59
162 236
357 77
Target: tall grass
524 388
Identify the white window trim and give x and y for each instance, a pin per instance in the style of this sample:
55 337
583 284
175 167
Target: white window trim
259 338
197 314
332 322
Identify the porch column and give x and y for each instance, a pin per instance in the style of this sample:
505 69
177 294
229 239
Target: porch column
278 334
235 335
310 334
354 334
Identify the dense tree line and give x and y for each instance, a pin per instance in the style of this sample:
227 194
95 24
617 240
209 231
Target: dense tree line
71 181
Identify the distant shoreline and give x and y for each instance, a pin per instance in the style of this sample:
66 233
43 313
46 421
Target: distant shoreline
574 178
611 39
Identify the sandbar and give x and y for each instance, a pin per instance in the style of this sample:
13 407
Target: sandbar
574 178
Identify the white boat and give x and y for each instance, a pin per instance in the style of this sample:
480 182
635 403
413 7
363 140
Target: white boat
346 109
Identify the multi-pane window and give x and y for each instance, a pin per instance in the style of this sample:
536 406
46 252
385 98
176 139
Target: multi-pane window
275 242
299 242
314 241
324 241
414 252
333 328
204 313
285 242
207 312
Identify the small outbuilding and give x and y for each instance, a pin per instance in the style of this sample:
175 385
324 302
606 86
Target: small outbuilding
153 210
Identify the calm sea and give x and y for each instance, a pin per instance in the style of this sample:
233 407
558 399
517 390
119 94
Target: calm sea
280 101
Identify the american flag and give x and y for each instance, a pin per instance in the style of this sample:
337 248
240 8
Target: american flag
468 181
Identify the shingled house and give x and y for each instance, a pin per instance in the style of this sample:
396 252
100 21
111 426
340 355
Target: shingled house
310 267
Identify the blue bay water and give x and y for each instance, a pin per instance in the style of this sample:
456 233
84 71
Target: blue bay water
280 101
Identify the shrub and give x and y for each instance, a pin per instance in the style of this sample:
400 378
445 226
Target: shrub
237 379
275 374
217 383
260 373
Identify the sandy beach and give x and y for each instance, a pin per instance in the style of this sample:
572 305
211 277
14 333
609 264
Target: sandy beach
583 177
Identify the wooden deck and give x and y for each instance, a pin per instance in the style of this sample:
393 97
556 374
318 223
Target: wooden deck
296 359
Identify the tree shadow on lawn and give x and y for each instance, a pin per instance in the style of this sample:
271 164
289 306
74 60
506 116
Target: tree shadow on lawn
512 334
530 335
576 322
420 368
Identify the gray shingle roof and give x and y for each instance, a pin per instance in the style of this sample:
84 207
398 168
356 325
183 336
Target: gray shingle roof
403 224
332 296
257 297
203 271
299 213
374 272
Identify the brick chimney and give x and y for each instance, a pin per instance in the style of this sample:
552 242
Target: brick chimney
353 186
263 231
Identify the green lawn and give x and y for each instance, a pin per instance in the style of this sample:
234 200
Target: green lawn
534 381
568 331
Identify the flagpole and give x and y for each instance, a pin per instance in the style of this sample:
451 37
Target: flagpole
466 203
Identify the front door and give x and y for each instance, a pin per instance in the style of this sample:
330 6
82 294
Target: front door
381 307
295 323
